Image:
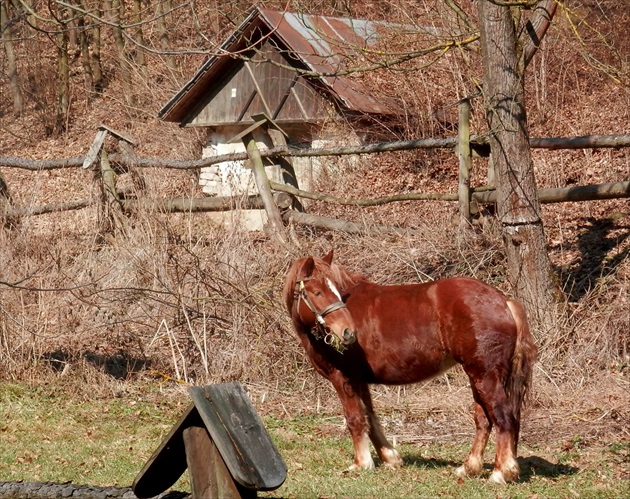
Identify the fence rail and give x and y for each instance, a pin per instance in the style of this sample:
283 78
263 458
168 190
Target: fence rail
127 161
476 141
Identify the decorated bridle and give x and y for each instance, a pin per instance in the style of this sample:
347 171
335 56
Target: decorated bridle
320 330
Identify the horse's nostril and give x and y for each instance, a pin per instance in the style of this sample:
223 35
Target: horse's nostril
348 336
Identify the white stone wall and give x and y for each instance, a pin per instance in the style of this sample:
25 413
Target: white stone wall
234 178
231 178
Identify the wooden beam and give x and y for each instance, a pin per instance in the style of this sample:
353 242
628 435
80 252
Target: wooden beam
262 182
240 436
612 190
209 476
208 204
465 160
95 149
586 142
258 89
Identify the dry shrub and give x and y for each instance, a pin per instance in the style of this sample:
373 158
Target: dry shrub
179 296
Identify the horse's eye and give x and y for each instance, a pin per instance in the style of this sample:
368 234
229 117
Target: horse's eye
318 293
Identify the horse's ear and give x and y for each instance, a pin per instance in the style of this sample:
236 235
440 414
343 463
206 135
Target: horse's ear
307 268
328 258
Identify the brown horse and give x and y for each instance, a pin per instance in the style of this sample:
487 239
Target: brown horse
356 332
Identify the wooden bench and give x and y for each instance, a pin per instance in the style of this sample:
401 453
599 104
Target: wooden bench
224 445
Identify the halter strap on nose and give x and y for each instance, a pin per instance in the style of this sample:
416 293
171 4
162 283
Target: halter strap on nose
332 307
301 295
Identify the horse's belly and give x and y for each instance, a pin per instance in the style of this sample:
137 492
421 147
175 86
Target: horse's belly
405 370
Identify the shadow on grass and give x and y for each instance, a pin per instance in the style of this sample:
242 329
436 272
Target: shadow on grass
537 466
428 462
119 365
530 466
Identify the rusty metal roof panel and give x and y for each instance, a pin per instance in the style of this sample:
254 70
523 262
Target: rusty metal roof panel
328 45
323 44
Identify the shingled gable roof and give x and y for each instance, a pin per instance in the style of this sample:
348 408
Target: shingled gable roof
319 43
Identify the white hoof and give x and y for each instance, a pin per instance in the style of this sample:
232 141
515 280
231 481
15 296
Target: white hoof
391 458
471 467
497 477
461 471
365 466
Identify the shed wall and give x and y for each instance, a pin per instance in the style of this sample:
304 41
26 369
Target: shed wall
266 85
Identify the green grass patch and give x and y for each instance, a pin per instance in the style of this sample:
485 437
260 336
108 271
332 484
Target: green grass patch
51 436
316 464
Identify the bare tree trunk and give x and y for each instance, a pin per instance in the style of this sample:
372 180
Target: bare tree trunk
16 91
114 8
63 72
138 52
162 9
97 70
84 46
517 201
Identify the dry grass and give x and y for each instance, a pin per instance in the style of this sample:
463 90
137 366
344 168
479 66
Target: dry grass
178 295
178 298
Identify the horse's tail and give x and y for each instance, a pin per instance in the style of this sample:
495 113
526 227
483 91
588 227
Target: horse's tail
525 353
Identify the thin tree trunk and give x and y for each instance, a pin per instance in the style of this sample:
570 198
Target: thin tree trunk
162 9
114 8
84 46
517 201
63 72
138 53
97 70
16 91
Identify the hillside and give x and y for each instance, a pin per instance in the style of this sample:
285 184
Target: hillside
97 325
576 85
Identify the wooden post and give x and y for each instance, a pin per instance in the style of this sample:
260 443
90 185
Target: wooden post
6 204
209 476
262 182
465 161
289 174
111 201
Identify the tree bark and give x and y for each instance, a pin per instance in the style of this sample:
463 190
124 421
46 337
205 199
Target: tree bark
63 72
162 10
518 206
16 91
115 9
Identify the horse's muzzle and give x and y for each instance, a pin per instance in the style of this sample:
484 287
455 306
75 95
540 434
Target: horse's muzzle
349 337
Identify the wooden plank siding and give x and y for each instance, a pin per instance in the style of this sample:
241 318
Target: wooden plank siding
263 85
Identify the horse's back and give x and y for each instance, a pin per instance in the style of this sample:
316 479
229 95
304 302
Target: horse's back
429 326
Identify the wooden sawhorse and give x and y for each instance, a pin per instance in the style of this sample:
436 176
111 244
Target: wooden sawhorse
224 445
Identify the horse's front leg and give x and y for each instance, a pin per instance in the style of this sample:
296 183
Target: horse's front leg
355 413
386 451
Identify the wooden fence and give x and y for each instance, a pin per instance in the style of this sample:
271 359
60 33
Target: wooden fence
276 198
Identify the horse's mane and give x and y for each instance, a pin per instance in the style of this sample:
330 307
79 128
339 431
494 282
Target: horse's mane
342 278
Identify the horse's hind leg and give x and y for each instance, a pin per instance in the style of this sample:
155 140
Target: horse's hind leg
492 396
385 450
474 462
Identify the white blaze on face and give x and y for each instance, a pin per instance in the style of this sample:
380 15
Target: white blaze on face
333 288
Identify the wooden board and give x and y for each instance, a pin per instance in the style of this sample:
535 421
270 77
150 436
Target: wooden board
209 477
240 436
95 148
168 462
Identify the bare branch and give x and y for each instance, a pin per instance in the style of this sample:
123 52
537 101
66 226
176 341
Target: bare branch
536 27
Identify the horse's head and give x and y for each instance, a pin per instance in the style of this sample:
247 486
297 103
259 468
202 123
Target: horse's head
318 305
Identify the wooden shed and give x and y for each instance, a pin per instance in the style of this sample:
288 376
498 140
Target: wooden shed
284 66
